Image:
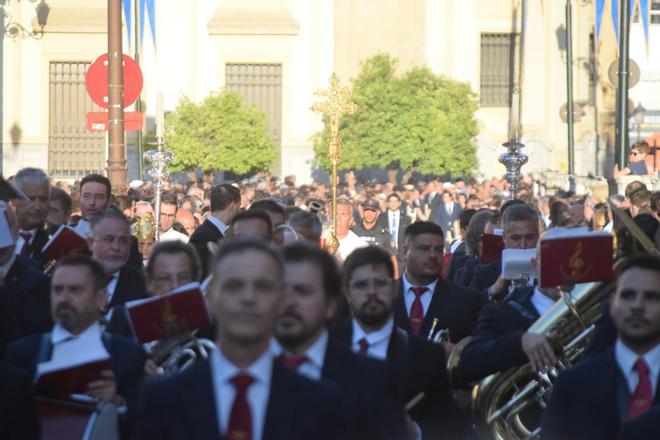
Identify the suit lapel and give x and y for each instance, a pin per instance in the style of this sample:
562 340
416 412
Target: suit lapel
436 309
198 399
335 363
401 317
279 412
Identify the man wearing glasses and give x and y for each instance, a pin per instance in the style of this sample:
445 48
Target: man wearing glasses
168 211
637 163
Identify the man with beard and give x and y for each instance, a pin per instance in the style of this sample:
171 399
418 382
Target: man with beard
369 229
593 399
368 278
110 242
240 392
78 293
312 295
31 215
425 295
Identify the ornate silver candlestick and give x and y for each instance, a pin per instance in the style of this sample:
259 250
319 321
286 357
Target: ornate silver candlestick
513 160
159 158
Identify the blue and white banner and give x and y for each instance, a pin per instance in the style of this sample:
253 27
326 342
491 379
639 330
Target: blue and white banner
147 8
602 6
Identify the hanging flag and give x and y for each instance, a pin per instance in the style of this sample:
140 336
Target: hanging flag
645 15
127 18
642 6
600 8
151 13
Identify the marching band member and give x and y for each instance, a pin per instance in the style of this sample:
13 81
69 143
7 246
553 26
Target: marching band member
31 215
593 399
78 293
313 290
240 392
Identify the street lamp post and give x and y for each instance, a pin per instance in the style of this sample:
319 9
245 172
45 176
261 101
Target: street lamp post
13 30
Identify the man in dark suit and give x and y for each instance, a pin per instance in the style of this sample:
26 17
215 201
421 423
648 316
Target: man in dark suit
419 365
396 222
445 214
31 215
78 293
424 295
110 241
225 202
240 391
643 427
593 399
95 197
520 225
312 295
24 291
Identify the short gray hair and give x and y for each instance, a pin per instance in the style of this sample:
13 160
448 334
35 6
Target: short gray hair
107 213
31 175
520 213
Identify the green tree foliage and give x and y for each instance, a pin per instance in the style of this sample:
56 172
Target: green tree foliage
416 121
220 133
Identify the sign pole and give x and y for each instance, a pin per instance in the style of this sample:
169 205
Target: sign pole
116 163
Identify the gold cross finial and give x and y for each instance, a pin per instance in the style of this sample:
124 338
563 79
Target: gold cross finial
338 103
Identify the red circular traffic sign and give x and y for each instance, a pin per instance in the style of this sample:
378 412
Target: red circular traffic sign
96 81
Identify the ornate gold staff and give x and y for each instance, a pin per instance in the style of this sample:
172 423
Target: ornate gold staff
338 103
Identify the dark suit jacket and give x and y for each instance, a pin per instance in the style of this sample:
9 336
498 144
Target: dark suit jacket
420 366
495 344
24 301
183 407
18 414
206 232
455 307
127 358
39 241
130 286
119 324
604 335
485 275
644 427
457 262
463 276
367 390
441 217
589 402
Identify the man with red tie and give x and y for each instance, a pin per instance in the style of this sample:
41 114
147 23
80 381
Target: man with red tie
419 365
595 398
425 295
313 290
240 392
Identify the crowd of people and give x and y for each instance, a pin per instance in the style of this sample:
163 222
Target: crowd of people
319 331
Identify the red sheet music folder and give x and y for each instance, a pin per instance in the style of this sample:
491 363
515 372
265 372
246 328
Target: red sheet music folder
492 246
181 310
573 257
70 380
64 242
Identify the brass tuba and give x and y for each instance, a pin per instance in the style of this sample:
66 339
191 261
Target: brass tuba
509 405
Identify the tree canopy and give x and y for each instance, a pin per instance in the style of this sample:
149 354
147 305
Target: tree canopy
415 121
220 133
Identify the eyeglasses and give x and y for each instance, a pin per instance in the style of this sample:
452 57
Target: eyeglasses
377 283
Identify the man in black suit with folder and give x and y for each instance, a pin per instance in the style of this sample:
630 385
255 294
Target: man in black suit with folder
31 215
77 295
313 290
424 295
225 202
596 397
241 392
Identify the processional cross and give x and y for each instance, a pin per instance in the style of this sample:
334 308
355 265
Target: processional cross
338 103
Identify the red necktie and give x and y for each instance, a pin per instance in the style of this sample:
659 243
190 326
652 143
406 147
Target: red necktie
641 399
417 310
240 418
26 242
364 346
292 361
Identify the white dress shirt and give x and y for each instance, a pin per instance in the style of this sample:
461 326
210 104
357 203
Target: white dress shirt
394 218
409 295
223 370
20 242
218 224
82 228
541 302
173 235
112 286
378 341
313 367
71 350
626 358
349 243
